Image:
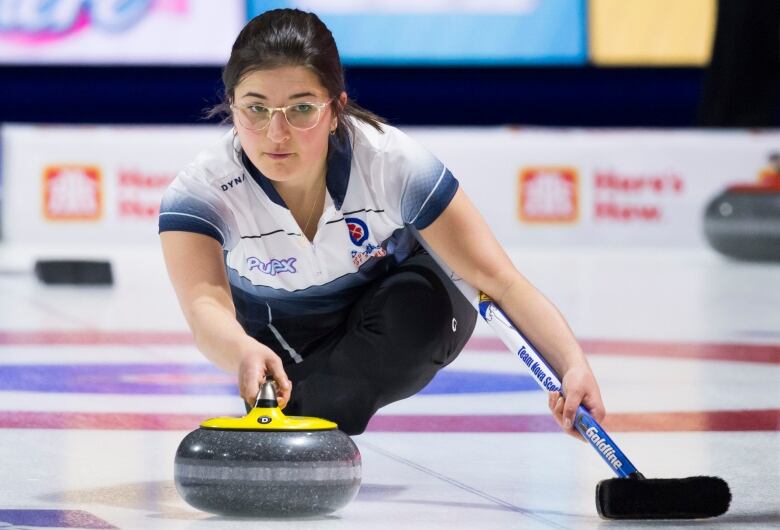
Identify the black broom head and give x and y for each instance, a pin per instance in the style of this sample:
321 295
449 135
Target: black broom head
675 498
74 272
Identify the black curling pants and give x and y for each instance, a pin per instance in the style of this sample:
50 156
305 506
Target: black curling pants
401 331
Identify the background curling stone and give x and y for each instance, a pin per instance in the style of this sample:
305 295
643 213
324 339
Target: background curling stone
267 464
743 222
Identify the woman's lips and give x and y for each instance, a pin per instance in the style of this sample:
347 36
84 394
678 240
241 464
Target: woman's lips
278 156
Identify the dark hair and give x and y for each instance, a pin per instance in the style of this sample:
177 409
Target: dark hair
291 37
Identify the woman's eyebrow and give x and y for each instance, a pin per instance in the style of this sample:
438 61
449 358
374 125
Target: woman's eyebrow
302 95
254 95
294 96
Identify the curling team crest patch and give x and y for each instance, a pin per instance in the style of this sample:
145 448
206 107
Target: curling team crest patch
358 230
358 233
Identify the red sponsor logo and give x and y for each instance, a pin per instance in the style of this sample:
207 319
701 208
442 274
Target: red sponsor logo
548 195
139 193
770 174
662 183
141 180
626 198
72 193
626 212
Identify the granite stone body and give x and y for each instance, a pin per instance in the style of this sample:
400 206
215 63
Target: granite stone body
745 225
267 473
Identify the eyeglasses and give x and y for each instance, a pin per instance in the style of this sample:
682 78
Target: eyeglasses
301 116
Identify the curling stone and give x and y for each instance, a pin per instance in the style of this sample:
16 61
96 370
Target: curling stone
743 222
267 464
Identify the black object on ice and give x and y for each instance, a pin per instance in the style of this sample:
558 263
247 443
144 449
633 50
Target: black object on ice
74 272
683 498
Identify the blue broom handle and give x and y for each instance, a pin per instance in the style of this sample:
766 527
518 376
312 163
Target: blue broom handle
542 372
548 380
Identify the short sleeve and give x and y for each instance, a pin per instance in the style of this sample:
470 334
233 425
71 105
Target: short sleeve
415 181
190 204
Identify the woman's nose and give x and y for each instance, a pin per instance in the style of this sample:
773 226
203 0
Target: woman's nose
278 129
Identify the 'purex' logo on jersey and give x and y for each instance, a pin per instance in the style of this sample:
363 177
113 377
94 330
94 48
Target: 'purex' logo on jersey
358 230
272 267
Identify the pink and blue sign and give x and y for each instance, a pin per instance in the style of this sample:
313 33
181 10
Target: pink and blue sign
39 23
118 31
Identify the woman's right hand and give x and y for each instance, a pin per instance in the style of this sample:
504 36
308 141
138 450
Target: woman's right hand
257 361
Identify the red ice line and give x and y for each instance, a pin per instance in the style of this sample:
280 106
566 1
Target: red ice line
755 353
708 421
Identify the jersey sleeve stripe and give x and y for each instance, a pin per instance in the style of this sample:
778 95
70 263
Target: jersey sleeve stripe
439 197
177 221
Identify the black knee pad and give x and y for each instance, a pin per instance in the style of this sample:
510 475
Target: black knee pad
415 307
349 402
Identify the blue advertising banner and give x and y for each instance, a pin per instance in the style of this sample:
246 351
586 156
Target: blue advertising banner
447 32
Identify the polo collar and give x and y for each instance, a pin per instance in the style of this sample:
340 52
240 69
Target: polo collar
338 164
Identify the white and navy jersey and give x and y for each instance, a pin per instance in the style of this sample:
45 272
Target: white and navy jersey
289 292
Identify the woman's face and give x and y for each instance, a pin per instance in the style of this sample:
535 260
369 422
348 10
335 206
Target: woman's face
281 152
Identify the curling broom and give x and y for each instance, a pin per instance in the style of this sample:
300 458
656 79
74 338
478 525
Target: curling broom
631 495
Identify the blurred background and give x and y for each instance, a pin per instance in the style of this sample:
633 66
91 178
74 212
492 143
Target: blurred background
593 122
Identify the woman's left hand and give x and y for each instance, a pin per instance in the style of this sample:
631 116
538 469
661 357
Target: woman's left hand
579 388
